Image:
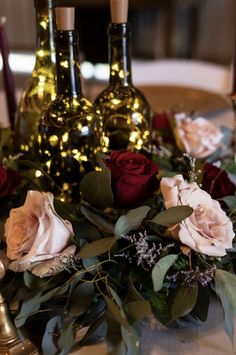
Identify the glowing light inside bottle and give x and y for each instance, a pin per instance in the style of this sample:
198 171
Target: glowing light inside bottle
38 173
43 24
64 64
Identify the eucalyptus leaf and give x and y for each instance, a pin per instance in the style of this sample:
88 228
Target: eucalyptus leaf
57 291
85 230
28 307
137 310
80 299
225 285
230 202
96 188
103 225
184 301
130 221
160 269
66 340
131 340
120 349
96 248
232 177
48 344
116 311
172 216
96 325
32 281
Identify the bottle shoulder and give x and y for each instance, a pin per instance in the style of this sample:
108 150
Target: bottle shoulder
121 93
66 110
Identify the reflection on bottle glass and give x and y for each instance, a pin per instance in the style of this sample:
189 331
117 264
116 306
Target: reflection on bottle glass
123 108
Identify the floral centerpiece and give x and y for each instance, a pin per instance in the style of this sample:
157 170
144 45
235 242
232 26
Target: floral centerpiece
153 234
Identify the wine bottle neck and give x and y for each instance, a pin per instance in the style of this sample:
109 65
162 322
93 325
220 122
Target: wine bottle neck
119 38
45 48
67 64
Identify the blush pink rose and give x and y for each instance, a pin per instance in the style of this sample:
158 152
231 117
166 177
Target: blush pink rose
199 137
35 232
208 230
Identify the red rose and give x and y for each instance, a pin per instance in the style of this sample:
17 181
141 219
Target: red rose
133 178
160 121
9 180
216 182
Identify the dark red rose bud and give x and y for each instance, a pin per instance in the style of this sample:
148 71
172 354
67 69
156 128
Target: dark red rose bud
133 178
9 180
216 182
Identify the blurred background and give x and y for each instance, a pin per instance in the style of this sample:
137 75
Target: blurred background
162 29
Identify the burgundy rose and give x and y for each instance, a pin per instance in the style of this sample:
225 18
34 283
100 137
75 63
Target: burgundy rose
216 182
9 180
160 121
133 178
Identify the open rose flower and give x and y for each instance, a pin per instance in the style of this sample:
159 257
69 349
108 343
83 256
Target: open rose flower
216 182
133 177
199 137
9 180
208 230
35 232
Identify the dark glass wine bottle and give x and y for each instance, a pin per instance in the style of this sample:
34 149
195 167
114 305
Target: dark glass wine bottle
40 88
123 108
70 132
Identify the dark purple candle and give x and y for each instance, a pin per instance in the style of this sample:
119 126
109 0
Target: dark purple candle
7 73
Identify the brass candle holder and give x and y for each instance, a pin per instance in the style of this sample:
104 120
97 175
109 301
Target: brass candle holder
10 343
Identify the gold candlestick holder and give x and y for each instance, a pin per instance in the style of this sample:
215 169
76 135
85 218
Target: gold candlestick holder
10 343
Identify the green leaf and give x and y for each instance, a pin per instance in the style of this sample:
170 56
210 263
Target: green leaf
160 269
225 283
48 344
66 340
103 225
80 299
130 221
85 230
116 312
131 340
33 282
202 304
137 310
232 177
230 202
28 307
184 301
96 248
96 188
120 349
172 216
225 287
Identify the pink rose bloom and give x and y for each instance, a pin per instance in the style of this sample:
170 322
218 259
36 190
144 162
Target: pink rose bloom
199 137
208 230
35 232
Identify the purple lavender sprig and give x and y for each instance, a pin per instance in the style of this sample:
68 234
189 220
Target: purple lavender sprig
146 253
191 277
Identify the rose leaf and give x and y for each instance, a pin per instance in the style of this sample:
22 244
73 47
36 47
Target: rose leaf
160 269
184 301
96 248
96 188
137 310
130 221
172 216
